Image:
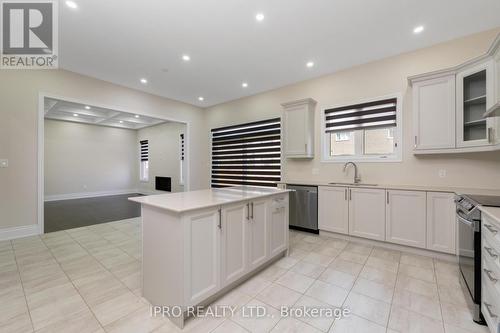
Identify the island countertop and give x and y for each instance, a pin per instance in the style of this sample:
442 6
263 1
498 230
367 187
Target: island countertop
186 201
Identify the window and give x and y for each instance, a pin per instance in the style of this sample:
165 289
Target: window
181 168
144 166
247 154
363 132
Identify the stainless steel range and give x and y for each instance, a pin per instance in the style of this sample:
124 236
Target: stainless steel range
469 247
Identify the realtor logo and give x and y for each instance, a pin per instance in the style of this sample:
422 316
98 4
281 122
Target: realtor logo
28 34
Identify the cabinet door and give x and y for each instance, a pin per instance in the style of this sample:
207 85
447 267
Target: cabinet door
233 243
434 113
475 94
441 224
202 255
278 225
367 213
406 218
333 209
296 131
258 251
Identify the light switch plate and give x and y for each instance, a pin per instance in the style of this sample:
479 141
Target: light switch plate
4 163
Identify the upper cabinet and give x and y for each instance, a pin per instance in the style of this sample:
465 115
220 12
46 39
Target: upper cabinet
298 135
451 107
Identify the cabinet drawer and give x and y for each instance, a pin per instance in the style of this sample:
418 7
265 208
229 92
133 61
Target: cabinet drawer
491 230
490 305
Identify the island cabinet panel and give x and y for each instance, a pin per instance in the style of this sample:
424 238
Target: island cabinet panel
333 209
258 245
278 225
406 218
367 213
234 232
202 254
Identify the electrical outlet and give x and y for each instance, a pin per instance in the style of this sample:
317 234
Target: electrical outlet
4 163
442 173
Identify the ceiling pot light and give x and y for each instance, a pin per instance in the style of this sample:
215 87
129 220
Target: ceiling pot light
310 64
418 29
87 107
259 17
71 4
121 121
201 98
244 84
137 116
144 81
186 57
75 114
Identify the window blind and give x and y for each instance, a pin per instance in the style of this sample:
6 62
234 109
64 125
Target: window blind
247 154
182 146
144 150
360 116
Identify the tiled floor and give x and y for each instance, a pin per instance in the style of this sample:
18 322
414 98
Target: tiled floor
88 280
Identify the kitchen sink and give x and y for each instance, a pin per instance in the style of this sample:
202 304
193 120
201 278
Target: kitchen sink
353 184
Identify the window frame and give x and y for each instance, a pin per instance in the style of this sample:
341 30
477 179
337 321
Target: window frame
397 156
143 165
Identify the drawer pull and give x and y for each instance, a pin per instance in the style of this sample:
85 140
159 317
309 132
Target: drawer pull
491 229
488 306
491 252
490 275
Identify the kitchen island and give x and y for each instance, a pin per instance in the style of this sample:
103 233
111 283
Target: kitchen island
198 245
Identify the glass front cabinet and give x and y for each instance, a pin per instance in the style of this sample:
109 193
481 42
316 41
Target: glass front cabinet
475 94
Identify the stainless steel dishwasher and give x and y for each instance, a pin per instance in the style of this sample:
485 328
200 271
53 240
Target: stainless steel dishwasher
304 208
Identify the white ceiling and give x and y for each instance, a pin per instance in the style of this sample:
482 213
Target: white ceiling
122 41
88 114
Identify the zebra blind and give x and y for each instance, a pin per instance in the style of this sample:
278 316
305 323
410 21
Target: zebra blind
360 116
247 154
182 147
144 150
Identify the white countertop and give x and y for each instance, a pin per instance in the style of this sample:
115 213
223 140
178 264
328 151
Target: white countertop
493 212
457 190
185 201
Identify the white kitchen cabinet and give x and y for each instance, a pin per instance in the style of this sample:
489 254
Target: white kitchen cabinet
475 94
298 136
434 113
406 218
367 213
333 209
234 231
258 243
441 224
278 225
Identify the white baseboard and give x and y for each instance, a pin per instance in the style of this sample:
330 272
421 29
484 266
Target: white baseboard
82 195
19 232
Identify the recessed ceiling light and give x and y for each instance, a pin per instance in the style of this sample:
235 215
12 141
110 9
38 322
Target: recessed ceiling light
87 107
71 4
137 116
244 84
418 29
186 57
75 114
259 17
201 98
144 81
121 121
310 64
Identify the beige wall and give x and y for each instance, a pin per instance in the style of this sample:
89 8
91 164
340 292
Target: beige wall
19 96
164 154
372 80
81 158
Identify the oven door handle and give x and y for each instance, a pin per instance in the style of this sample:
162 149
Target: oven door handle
468 223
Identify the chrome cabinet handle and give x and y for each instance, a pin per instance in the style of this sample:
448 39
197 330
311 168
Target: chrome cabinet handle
491 252
350 194
491 229
387 197
490 276
220 219
345 194
252 209
248 211
489 134
488 306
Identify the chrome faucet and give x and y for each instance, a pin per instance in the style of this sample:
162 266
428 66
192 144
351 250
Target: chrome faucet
357 179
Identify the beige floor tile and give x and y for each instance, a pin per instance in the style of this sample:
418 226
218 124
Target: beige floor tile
386 254
139 321
368 308
416 260
255 324
355 324
313 239
81 268
460 316
199 325
292 325
328 251
276 296
12 304
229 326
423 305
81 322
378 275
304 246
40 278
446 267
322 323
336 242
233 298
417 286
338 278
286 262
295 281
272 273
453 329
254 286
117 307
353 257
426 274
99 288
327 293
345 266
373 289
387 265
297 253
308 269
358 248
405 321
318 259
18 324
452 295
